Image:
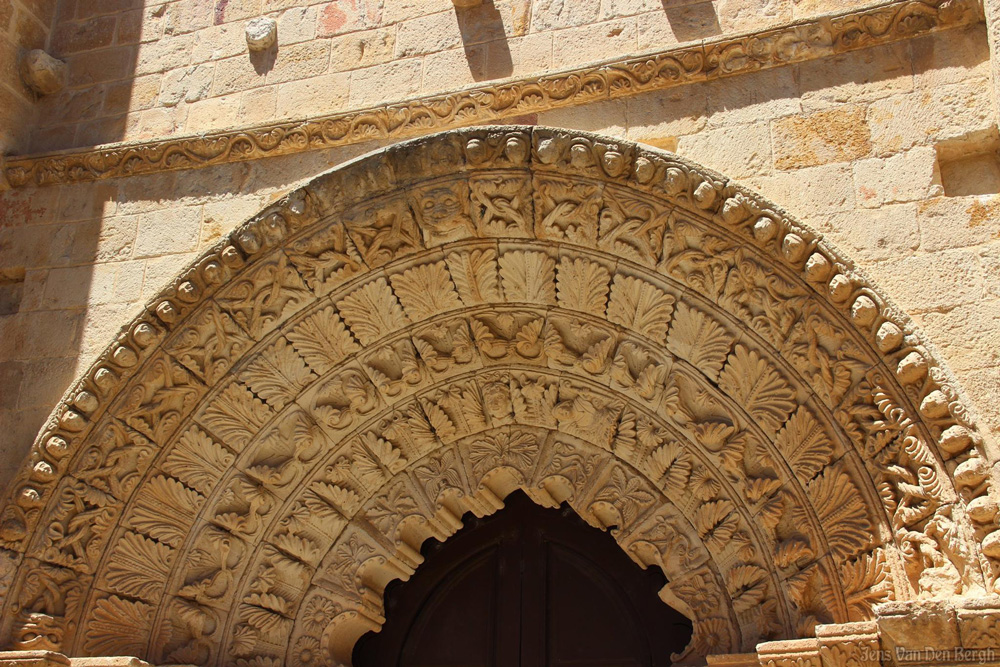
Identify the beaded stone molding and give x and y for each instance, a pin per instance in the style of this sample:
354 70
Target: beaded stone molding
711 59
417 333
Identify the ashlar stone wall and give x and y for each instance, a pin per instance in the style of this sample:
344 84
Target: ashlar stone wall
886 150
24 25
144 69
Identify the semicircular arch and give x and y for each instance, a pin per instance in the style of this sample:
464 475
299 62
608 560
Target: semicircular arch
415 334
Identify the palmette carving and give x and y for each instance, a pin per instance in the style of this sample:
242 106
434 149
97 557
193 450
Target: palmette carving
641 344
322 340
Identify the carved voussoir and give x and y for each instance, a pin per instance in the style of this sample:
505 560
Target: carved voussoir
414 337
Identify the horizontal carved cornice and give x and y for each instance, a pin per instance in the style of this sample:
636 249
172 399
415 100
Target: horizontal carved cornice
707 60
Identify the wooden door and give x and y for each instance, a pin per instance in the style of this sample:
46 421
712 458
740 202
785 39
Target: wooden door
526 587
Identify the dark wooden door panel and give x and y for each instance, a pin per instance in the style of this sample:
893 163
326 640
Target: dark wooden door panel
526 587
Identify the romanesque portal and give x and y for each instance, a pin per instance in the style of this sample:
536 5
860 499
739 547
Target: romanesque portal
420 332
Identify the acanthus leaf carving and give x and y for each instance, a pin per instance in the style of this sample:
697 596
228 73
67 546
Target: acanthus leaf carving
372 311
322 340
700 340
234 416
640 306
425 290
528 277
118 627
841 511
164 510
805 444
759 387
138 567
476 275
277 374
197 460
582 285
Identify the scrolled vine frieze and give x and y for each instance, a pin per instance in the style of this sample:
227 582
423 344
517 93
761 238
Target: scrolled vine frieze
720 57
353 371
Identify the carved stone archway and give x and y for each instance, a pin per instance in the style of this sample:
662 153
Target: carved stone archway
417 333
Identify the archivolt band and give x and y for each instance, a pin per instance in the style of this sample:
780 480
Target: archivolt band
418 333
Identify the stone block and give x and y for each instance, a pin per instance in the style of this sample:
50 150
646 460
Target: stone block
604 117
959 55
924 116
297 24
217 113
48 379
235 74
218 42
855 77
555 14
456 68
428 34
167 53
401 10
747 15
680 23
186 84
528 55
955 222
300 61
914 625
740 151
969 335
86 201
752 97
362 49
161 270
598 41
934 281
813 191
821 137
168 232
338 18
876 234
909 176
161 122
71 288
96 33
316 96
92 67
49 334
258 106
100 325
989 258
134 95
390 82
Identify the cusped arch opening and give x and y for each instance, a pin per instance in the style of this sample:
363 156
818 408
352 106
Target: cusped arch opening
527 585
419 332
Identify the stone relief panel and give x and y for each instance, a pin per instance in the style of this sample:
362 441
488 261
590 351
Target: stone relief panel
244 471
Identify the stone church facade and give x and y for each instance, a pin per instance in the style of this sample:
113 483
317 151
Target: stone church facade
289 288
